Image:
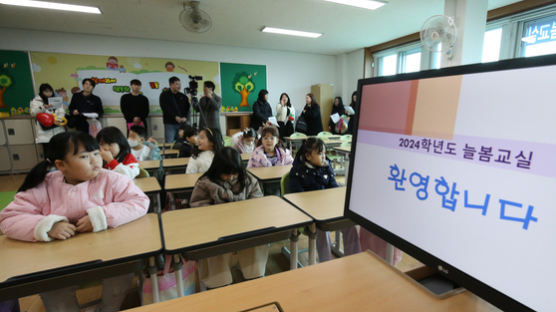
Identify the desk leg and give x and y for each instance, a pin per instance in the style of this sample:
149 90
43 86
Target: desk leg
159 202
312 243
390 254
154 279
293 249
178 270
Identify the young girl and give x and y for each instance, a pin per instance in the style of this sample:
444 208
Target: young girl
312 171
245 141
78 197
285 115
227 181
186 140
270 151
141 148
209 142
40 105
116 153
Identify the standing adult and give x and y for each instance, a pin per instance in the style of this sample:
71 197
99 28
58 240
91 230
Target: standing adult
311 113
40 105
337 108
285 115
135 106
211 105
261 110
353 105
84 105
175 109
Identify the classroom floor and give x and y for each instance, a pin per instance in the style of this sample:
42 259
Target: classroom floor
277 262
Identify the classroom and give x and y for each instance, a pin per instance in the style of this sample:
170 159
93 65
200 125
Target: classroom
263 155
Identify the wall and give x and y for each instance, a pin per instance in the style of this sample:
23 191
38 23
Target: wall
289 72
349 69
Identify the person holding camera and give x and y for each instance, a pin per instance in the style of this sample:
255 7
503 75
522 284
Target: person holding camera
210 104
175 109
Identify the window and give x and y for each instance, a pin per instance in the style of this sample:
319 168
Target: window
402 59
539 37
491 45
412 62
387 65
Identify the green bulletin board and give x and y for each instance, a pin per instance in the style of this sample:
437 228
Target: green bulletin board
241 84
16 84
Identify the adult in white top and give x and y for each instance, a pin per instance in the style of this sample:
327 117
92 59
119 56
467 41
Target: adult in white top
285 115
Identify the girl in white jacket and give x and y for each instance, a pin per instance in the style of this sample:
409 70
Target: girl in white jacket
40 105
209 141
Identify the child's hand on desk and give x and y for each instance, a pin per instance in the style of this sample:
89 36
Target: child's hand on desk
62 230
84 224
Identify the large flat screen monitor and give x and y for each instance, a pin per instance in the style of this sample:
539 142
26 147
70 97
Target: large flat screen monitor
457 167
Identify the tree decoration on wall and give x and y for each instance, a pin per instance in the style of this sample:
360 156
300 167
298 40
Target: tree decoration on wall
244 85
5 82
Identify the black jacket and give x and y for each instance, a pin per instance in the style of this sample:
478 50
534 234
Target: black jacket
86 104
261 112
313 119
308 178
173 105
134 106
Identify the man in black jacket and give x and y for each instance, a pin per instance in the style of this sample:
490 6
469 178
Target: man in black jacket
135 106
175 109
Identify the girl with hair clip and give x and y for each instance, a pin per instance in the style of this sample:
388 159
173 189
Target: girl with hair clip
227 181
311 113
285 115
40 105
270 151
312 171
245 141
116 153
209 142
78 197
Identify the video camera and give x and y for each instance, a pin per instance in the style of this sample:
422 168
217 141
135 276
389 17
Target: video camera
193 85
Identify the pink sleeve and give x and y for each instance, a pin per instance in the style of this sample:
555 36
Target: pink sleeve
19 219
288 159
128 202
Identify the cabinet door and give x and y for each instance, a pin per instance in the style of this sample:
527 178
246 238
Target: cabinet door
24 157
116 122
157 128
4 159
20 131
2 133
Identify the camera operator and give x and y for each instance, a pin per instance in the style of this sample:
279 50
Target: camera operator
175 109
211 105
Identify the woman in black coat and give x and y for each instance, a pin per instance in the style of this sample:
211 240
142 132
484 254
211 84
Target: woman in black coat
311 114
261 110
337 108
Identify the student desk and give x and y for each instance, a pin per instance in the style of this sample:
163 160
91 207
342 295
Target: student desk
175 164
213 230
170 153
245 159
151 188
165 145
32 267
181 183
294 142
361 282
269 176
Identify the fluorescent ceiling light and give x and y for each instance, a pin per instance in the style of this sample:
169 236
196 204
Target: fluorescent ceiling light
290 32
52 6
365 4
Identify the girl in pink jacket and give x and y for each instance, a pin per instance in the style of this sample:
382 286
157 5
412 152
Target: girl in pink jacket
78 197
270 151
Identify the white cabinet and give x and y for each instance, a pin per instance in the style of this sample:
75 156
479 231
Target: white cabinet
4 159
156 125
118 122
24 157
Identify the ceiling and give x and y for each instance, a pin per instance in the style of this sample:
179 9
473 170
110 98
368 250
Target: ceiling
238 22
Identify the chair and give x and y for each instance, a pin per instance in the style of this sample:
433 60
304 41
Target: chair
324 134
346 138
228 141
297 135
143 174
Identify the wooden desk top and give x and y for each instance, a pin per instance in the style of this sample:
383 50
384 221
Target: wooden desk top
167 145
148 185
270 173
245 157
175 162
359 282
181 181
170 151
322 205
343 149
204 225
20 258
149 164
